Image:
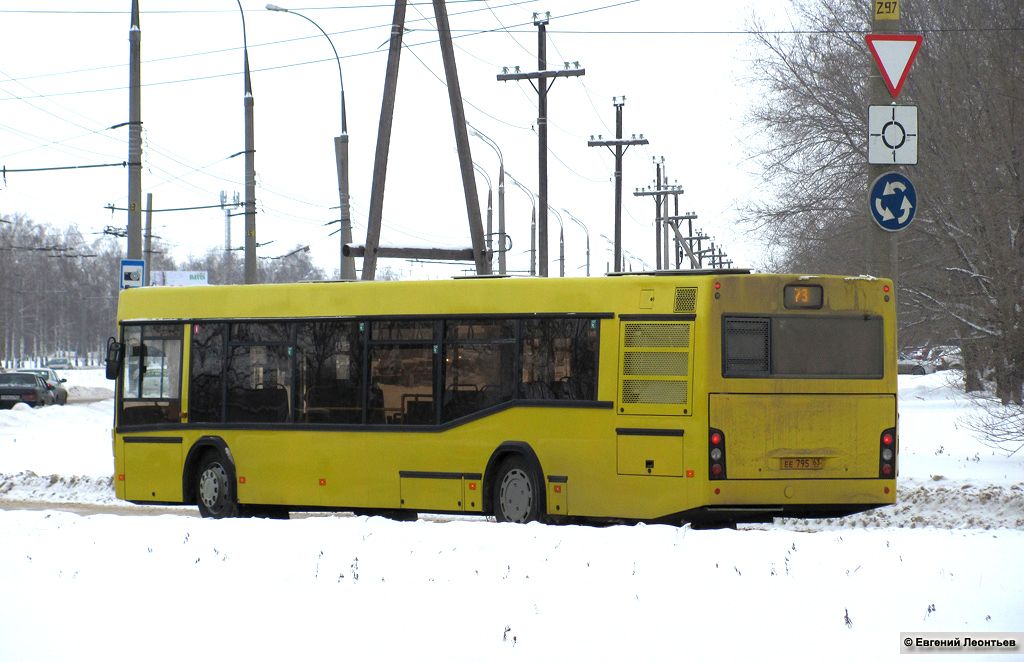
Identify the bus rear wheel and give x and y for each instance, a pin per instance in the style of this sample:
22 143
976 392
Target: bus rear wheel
517 492
215 491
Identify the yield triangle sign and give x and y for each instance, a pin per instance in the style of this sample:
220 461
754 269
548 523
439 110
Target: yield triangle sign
894 54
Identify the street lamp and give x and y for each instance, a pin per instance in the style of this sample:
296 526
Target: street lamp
473 131
490 190
561 242
250 167
580 223
348 264
533 224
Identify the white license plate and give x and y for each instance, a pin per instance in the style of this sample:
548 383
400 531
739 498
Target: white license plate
803 463
10 397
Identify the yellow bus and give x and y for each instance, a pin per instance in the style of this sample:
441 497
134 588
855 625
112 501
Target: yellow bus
710 397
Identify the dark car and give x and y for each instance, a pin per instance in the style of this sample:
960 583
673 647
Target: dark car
50 376
18 387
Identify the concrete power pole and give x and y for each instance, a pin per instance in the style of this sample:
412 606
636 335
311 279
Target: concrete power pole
541 76
135 137
250 167
372 250
620 147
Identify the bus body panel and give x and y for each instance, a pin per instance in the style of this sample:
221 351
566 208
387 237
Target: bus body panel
154 462
771 436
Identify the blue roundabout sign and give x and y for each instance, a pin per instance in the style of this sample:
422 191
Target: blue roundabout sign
893 201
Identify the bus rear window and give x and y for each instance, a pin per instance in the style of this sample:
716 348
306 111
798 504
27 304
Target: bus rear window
803 346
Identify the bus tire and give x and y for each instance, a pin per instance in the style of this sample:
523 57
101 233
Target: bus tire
215 488
517 492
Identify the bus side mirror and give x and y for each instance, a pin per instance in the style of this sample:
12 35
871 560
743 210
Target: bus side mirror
115 358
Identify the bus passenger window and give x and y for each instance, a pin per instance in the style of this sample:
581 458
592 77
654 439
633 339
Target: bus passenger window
258 376
479 366
206 403
402 385
329 364
559 358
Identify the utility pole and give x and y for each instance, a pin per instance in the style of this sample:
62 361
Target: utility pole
148 252
371 250
250 167
660 194
135 137
657 213
620 147
380 160
541 87
451 74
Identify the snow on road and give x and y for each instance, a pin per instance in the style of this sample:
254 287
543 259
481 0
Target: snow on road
946 558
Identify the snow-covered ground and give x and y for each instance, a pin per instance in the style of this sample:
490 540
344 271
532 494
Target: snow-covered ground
946 558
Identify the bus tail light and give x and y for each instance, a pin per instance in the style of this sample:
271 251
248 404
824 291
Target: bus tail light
716 454
887 454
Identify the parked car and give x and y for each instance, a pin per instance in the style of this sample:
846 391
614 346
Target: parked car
53 380
946 357
59 364
24 387
908 365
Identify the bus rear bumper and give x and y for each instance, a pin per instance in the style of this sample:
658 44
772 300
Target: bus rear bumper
750 501
729 516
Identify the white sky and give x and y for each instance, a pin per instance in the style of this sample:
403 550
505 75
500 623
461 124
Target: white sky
64 79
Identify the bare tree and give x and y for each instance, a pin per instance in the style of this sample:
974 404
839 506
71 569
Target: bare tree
961 266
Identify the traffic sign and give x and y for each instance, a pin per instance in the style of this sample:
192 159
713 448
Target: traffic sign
892 135
893 201
132 273
887 10
894 54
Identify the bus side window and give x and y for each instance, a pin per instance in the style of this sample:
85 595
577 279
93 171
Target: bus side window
479 366
329 365
402 377
206 404
258 379
559 358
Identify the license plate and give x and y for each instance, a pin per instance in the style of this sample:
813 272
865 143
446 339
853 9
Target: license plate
803 463
10 397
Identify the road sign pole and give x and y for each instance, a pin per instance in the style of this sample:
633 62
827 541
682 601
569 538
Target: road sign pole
882 254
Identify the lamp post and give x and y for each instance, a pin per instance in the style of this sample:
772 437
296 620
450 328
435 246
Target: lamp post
250 167
473 131
580 223
561 243
348 264
490 197
533 224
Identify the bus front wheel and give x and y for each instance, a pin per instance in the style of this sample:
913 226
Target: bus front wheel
215 490
517 492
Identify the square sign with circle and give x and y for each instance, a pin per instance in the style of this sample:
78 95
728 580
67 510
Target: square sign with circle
892 135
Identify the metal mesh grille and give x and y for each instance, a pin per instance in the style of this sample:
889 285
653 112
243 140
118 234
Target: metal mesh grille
659 392
657 364
686 300
657 335
747 347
